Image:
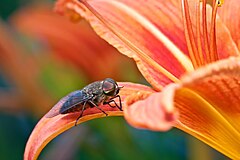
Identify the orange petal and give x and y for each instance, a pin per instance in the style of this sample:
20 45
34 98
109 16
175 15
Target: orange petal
152 34
229 13
74 43
226 46
49 128
208 102
150 111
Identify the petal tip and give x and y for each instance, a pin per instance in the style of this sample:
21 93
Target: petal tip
150 113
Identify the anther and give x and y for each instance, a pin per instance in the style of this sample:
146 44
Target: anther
220 3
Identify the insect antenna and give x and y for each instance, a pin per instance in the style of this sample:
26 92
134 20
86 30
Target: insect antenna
120 87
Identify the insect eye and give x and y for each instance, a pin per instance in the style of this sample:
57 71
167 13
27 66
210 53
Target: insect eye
109 87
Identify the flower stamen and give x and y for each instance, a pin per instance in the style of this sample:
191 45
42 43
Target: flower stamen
213 45
199 40
205 32
192 48
198 55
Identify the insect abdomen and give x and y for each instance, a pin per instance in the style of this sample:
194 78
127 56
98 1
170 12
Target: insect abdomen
76 108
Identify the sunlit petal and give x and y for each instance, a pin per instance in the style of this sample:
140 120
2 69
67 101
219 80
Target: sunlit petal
48 128
207 101
209 108
152 35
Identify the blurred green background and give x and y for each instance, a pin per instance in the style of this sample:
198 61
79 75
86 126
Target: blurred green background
44 56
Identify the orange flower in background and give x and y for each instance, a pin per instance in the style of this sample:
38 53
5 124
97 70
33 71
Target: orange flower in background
72 43
22 69
184 51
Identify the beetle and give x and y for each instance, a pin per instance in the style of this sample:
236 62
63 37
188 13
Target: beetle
93 95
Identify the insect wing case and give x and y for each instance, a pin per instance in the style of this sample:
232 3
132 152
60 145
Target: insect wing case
68 102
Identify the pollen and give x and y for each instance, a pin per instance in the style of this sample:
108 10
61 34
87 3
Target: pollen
220 3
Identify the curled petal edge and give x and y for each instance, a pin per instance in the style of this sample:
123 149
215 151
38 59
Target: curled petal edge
49 128
153 111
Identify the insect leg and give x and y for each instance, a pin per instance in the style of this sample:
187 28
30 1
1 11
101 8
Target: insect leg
116 105
84 104
120 102
109 103
98 108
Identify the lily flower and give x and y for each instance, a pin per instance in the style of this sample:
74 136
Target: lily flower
187 54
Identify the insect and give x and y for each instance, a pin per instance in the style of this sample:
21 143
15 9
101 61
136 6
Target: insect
93 95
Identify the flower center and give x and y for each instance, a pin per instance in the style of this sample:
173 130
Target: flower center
201 43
